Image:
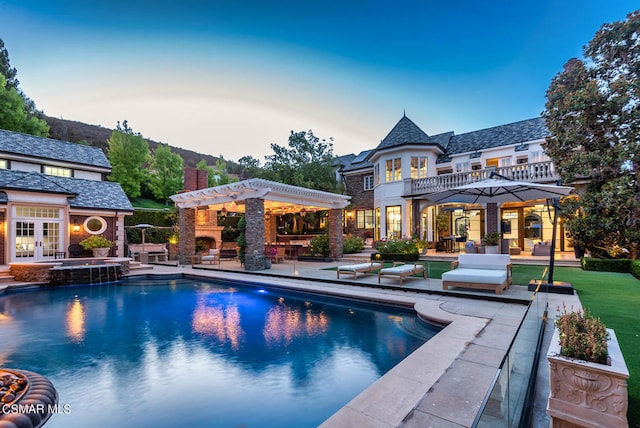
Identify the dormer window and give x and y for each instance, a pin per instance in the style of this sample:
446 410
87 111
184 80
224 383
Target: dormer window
57 171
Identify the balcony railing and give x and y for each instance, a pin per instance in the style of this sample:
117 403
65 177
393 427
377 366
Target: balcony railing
540 172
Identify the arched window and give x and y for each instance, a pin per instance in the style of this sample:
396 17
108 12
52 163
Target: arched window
533 226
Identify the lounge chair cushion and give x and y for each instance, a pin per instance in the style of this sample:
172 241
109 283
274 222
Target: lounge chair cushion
360 267
402 269
483 276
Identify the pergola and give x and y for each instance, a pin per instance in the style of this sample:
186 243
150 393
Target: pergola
257 197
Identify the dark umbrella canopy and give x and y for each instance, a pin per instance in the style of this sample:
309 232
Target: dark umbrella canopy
499 190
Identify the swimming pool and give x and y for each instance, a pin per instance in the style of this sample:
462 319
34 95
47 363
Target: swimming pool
198 353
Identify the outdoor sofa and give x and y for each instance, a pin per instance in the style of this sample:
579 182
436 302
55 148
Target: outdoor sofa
486 271
157 252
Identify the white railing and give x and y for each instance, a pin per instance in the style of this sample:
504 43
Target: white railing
540 172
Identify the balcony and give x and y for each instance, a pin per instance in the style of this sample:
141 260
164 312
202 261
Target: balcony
539 172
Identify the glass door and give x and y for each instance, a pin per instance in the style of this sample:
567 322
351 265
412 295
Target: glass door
36 236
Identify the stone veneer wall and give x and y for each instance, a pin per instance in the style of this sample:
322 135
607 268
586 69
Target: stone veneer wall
187 244
491 220
335 233
254 232
360 198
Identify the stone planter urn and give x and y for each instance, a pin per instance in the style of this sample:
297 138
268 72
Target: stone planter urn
100 252
585 394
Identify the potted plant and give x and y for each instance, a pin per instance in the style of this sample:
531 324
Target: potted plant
491 241
98 244
587 373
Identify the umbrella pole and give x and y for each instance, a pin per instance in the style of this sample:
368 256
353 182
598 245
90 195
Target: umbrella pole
553 241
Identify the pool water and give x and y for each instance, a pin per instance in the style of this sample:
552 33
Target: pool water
151 353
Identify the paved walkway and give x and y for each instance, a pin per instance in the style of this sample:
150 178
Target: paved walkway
444 382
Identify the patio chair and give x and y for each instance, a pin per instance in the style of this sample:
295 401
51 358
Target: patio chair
280 255
358 267
212 257
403 271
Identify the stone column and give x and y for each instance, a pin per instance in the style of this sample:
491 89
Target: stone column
335 233
120 235
187 244
254 233
491 218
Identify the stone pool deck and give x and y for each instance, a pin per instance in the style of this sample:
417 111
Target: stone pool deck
444 382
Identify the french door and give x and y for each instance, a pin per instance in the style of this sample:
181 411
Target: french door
36 233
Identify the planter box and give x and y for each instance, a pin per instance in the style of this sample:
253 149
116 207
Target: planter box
585 394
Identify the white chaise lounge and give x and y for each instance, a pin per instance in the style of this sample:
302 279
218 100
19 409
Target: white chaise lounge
487 271
358 267
403 271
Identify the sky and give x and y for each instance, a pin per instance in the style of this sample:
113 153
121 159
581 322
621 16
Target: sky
230 78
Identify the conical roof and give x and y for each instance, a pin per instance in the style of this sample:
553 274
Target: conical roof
405 132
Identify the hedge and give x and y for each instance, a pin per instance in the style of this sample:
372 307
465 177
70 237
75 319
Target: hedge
606 265
395 257
635 268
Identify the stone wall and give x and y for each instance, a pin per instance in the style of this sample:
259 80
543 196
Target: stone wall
187 244
254 233
335 233
491 220
361 200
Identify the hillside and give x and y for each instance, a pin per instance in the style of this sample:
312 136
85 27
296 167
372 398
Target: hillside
68 130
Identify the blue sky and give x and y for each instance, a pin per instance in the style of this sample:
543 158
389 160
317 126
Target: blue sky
231 77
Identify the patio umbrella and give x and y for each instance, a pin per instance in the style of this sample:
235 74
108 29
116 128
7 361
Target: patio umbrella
498 190
143 227
501 189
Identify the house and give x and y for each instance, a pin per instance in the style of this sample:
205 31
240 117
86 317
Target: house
53 194
390 183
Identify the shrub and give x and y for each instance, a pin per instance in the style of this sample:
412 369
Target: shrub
491 239
582 336
397 246
396 257
96 241
605 265
319 245
352 245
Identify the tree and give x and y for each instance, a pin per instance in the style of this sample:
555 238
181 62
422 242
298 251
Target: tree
128 154
250 166
218 175
6 70
307 161
593 113
166 173
14 115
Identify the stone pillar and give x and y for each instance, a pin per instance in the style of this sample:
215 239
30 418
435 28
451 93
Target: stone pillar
335 233
491 218
120 235
254 233
187 244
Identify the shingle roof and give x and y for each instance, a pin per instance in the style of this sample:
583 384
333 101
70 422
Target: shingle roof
29 145
82 193
359 162
511 133
405 132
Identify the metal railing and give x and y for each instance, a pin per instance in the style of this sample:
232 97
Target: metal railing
535 172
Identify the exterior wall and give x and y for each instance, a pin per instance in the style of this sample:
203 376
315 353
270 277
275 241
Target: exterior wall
26 166
3 234
361 199
87 175
335 233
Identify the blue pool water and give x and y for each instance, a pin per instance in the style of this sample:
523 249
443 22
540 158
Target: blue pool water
190 353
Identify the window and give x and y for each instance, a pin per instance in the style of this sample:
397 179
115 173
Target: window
394 170
95 225
394 222
463 166
368 182
57 171
4 164
376 173
521 161
418 167
364 219
505 161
